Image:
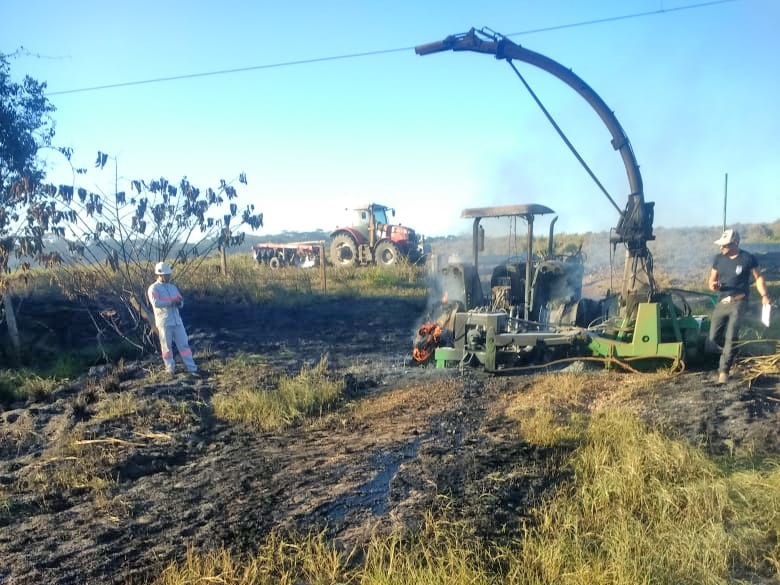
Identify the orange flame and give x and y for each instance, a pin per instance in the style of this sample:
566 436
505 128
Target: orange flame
426 342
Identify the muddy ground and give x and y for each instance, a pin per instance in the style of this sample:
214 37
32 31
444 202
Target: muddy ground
404 435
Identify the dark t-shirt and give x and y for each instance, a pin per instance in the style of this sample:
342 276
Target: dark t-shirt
734 273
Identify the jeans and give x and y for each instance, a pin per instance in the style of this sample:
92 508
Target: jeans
724 330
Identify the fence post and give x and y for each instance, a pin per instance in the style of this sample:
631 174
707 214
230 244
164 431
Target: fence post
322 267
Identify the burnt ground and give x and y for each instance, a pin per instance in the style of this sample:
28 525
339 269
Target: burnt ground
174 476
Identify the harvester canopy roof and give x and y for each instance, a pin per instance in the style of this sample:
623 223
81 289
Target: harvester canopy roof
507 211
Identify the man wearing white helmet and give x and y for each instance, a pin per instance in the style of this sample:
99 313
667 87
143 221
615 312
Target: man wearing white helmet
166 301
730 277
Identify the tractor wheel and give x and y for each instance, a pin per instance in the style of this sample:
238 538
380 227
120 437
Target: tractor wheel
274 263
343 251
387 254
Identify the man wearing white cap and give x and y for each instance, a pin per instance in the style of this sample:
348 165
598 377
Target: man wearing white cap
730 277
166 301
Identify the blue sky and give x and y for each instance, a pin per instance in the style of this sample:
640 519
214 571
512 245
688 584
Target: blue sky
696 91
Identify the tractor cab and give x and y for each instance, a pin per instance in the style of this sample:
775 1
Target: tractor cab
372 239
371 221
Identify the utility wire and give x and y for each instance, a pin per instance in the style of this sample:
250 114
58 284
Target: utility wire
380 51
623 17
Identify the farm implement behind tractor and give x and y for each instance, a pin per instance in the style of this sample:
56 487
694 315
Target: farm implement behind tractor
301 254
535 312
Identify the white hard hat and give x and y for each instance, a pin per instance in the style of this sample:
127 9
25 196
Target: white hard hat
162 268
728 237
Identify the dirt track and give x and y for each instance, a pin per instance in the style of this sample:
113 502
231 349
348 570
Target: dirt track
404 436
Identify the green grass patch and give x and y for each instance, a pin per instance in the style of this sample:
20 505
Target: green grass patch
254 403
16 385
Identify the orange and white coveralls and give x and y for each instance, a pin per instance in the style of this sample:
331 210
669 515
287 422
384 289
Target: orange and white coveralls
166 300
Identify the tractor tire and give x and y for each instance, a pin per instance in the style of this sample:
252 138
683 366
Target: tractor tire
274 263
343 251
387 254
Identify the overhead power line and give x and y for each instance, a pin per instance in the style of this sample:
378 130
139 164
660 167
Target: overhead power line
380 51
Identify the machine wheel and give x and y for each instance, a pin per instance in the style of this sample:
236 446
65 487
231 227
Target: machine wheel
343 251
387 253
274 263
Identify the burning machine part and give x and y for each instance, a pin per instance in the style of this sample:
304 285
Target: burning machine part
535 307
534 311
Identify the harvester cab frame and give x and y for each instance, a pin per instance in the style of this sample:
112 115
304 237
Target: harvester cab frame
648 325
508 282
529 314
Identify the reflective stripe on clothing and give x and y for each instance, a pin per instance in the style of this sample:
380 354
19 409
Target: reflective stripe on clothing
176 335
163 297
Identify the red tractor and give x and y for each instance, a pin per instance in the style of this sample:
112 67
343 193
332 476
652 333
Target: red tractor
372 240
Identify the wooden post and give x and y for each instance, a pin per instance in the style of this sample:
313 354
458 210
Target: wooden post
223 252
322 267
10 320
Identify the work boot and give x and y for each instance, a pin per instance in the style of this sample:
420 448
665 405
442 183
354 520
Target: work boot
723 377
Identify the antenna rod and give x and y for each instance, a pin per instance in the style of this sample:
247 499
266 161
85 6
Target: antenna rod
725 199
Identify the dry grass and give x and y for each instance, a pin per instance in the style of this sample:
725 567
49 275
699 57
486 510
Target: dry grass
440 553
254 403
72 464
309 559
420 397
117 406
17 435
553 408
646 509
639 508
248 281
754 368
22 384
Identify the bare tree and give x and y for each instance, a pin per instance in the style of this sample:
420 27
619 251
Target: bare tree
107 245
